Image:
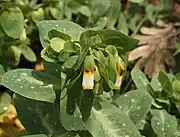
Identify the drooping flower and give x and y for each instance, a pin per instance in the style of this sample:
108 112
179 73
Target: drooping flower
120 66
88 80
88 73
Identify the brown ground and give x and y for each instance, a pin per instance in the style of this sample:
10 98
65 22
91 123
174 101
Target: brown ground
10 124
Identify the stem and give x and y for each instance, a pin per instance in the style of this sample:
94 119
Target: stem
58 94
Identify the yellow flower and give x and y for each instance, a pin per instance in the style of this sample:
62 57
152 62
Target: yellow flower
119 74
88 79
118 82
88 72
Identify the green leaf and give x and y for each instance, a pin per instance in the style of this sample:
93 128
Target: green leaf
12 54
165 82
28 53
122 42
71 47
63 26
86 103
5 101
141 124
113 13
70 62
55 33
112 50
55 70
85 11
63 56
163 124
122 24
103 72
37 116
70 122
86 42
73 94
155 84
99 7
12 22
176 85
2 71
151 13
38 15
49 55
31 84
133 20
135 104
57 44
109 121
139 78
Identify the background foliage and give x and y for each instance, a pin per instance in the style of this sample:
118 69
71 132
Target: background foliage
134 41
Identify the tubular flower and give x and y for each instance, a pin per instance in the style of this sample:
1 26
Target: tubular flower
88 73
88 79
119 73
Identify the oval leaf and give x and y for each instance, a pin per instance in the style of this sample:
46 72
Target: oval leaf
31 84
12 22
139 78
63 26
28 53
135 104
71 122
37 116
110 121
163 124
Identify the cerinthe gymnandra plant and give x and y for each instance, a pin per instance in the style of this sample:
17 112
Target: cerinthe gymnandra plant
80 67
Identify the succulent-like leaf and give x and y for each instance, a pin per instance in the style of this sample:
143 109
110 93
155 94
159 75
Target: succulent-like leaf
135 104
122 42
86 103
109 121
99 8
32 84
12 54
37 116
165 82
139 78
70 122
63 26
57 44
28 53
163 124
12 22
155 84
122 24
85 43
113 13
